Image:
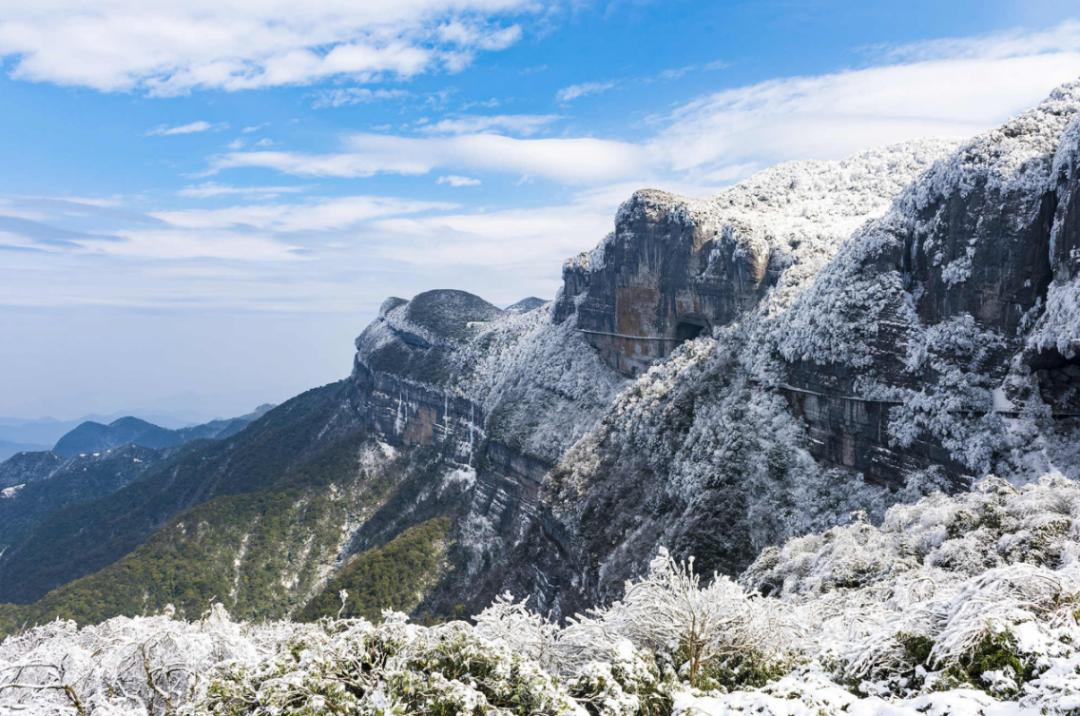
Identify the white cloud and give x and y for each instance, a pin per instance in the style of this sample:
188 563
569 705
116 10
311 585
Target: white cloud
1064 37
202 244
569 94
171 47
943 88
834 115
457 181
189 128
319 215
522 124
346 96
302 254
472 34
723 136
569 160
530 240
209 190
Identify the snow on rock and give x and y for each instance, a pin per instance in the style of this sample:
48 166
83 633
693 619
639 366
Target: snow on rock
9 492
674 263
939 303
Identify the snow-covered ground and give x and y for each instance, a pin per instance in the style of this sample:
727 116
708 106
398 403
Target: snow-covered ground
954 605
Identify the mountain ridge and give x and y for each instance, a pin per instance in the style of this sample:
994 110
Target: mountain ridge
91 436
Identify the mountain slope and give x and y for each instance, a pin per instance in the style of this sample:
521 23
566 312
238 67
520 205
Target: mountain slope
900 360
64 484
27 467
85 538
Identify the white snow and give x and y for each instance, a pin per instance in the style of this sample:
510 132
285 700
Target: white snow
956 605
9 492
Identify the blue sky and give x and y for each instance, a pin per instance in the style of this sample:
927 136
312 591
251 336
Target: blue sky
203 202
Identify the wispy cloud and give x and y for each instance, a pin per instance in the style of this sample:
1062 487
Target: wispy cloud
577 91
315 215
723 136
525 240
347 96
522 124
457 181
171 47
175 244
835 115
189 128
210 190
584 89
1064 37
243 142
570 160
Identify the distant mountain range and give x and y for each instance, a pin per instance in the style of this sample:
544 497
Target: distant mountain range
91 461
27 434
92 436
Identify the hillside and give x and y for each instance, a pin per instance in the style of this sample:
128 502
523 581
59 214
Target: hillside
51 485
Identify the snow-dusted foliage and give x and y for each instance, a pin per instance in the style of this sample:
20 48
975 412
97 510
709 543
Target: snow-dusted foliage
955 605
541 384
925 307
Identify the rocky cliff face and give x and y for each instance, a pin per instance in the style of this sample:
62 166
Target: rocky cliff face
937 319
670 272
914 351
675 268
821 339
495 398
573 466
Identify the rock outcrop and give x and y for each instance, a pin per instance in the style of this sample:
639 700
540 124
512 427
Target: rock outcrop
928 346
670 272
495 398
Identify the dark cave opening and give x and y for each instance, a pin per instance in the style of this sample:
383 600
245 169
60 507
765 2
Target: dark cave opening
1058 377
688 329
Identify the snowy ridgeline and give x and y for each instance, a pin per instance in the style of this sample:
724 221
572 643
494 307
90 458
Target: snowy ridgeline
959 605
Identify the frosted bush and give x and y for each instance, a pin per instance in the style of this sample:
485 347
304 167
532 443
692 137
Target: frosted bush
963 604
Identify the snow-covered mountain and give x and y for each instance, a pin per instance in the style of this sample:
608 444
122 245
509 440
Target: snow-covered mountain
796 355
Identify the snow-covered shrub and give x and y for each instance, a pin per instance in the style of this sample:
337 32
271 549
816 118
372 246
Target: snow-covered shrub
955 605
631 683
143 665
525 632
355 667
716 634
